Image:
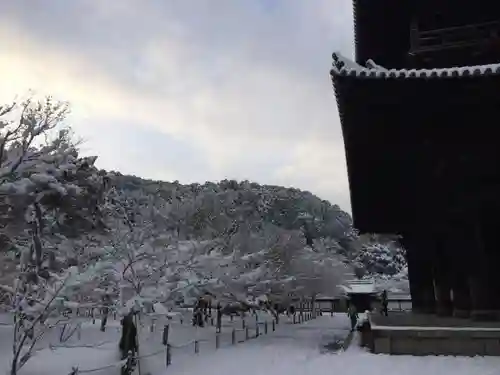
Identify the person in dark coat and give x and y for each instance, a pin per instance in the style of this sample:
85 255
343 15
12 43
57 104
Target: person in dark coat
198 313
385 303
128 339
353 315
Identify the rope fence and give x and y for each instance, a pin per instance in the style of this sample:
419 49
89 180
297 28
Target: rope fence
249 332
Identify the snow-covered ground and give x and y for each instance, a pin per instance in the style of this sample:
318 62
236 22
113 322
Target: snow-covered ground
292 349
299 351
94 349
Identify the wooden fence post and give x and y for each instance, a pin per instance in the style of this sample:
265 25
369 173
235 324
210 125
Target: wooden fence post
152 325
219 318
166 329
243 324
265 327
274 325
169 355
196 346
233 336
257 330
246 333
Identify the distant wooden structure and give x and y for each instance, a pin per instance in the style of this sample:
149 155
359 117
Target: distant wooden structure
361 293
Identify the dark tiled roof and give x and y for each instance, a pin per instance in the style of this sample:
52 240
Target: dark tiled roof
343 66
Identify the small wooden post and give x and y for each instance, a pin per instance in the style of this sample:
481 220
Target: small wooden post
219 318
331 311
217 341
274 325
211 321
243 324
166 329
233 336
152 326
246 333
169 355
265 327
257 330
196 346
93 315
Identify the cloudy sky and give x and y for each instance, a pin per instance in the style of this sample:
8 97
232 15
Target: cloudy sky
190 90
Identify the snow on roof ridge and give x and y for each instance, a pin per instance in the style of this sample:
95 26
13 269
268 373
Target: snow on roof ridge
346 67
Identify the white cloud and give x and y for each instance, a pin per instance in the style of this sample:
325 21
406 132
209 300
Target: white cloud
241 83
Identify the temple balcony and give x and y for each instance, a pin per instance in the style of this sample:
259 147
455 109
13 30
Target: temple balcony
468 44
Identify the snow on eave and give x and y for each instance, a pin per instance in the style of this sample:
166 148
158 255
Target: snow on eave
343 66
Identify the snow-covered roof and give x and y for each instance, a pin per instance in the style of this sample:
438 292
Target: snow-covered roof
346 67
359 287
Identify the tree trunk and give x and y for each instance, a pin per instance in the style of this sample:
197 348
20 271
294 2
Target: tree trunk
13 367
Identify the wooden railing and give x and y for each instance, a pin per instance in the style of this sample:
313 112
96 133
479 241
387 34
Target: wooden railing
452 37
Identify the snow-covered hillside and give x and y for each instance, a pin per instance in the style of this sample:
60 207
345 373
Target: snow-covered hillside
58 210
72 235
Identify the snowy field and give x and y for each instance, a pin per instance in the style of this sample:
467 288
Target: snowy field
92 349
292 350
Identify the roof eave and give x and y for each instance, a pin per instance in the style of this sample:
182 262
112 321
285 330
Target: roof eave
343 66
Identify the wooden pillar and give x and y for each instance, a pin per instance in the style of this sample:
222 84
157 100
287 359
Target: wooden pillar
441 274
479 280
458 244
442 284
420 274
484 282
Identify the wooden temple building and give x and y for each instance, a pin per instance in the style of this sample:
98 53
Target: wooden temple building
420 114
